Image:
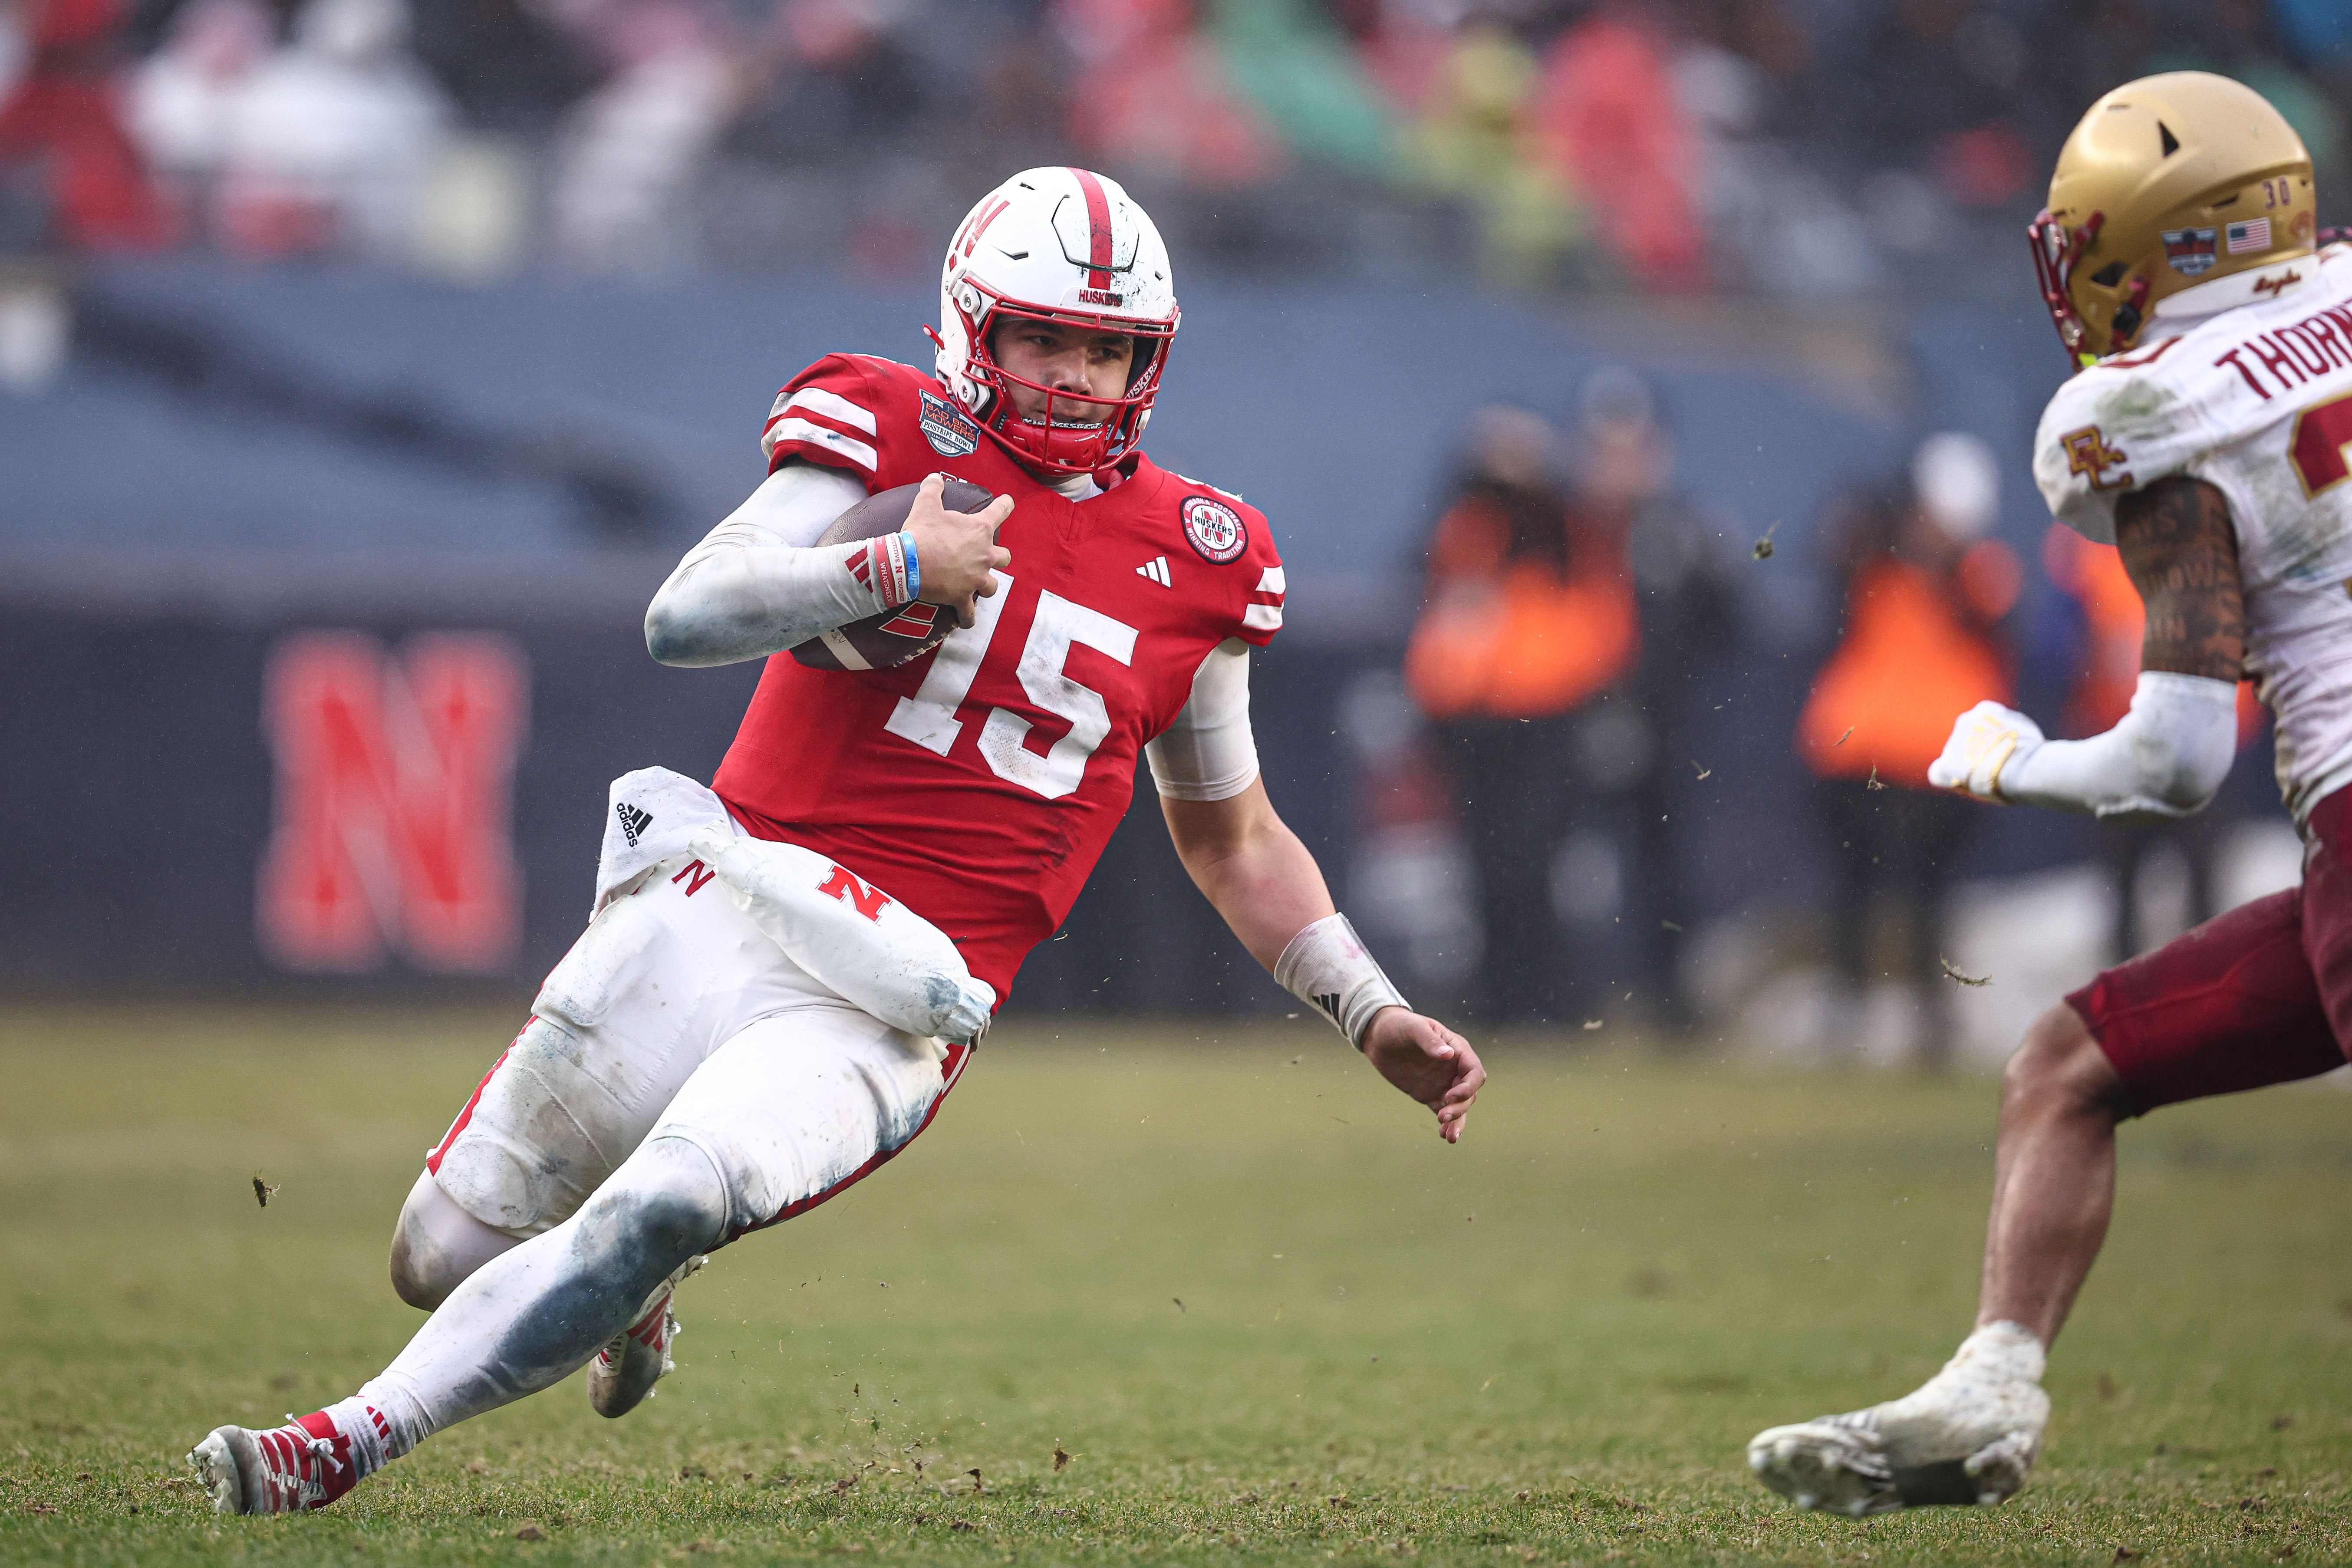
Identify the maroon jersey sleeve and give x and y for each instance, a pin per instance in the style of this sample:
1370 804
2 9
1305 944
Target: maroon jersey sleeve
831 414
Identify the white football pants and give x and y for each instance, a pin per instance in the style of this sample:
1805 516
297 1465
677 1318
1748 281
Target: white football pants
674 1015
682 1082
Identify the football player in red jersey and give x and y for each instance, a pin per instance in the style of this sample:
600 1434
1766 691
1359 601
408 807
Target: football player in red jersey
787 970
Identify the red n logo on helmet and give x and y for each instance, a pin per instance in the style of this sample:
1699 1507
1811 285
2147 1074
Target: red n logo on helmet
393 823
989 215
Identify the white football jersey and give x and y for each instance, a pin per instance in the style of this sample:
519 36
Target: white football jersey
2246 384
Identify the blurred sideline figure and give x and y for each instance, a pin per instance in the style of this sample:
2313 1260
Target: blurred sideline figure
2205 435
1925 594
1687 621
958 721
1530 616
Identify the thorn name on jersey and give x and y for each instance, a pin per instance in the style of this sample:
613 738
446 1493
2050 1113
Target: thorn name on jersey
2318 345
635 820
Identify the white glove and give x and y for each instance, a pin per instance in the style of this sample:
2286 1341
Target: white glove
1985 740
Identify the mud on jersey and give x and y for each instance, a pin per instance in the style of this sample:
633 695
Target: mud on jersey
2255 397
980 783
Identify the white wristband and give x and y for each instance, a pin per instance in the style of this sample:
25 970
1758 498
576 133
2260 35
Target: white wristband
1326 967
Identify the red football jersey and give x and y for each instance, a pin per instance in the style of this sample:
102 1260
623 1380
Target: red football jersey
979 783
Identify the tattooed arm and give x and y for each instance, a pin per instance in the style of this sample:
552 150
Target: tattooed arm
2171 752
2182 555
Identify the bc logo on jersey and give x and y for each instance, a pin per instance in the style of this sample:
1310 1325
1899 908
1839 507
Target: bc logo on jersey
947 428
2088 454
1216 529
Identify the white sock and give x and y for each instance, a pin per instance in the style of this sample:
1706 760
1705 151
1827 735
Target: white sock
2002 1350
526 1320
368 1429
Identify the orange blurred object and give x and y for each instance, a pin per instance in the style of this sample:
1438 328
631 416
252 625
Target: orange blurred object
1909 664
1517 639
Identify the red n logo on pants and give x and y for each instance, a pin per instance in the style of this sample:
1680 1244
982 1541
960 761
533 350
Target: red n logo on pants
850 890
392 819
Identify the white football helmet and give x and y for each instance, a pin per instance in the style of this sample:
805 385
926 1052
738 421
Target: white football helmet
1060 245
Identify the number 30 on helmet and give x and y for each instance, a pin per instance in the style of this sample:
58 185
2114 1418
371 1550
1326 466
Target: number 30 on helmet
2169 182
1057 245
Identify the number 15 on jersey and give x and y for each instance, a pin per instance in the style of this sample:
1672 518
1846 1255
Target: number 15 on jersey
929 717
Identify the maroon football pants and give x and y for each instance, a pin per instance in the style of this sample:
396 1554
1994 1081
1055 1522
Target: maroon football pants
2261 995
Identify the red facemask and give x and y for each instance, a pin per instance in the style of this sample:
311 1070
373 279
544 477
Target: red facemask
1059 442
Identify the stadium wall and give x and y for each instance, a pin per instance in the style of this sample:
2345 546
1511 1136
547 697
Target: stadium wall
473 493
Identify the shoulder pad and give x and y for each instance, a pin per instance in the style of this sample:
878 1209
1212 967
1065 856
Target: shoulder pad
832 413
2121 424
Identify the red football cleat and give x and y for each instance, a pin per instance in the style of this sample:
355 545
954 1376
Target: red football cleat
305 1464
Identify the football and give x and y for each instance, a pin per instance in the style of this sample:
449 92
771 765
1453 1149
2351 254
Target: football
889 639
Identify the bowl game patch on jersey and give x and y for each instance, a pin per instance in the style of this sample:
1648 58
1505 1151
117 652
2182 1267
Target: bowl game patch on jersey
1216 529
949 429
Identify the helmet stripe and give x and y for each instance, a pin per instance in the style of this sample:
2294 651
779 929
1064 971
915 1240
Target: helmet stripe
1098 228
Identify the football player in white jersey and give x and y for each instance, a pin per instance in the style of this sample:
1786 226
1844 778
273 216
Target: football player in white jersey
2206 435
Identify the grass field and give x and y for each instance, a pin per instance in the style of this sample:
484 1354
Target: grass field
1264 1312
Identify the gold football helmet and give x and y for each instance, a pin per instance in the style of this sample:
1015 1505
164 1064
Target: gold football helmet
2170 181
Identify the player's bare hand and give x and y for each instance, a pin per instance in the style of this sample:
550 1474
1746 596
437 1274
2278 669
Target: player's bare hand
1429 1062
957 551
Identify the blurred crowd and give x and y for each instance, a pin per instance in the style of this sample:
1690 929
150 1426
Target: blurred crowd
1579 627
1817 147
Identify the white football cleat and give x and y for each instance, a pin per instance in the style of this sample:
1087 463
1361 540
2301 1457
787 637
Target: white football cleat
624 1373
1967 1436
304 1465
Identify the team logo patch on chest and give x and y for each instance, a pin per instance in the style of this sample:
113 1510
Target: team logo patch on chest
947 428
1216 529
2189 251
